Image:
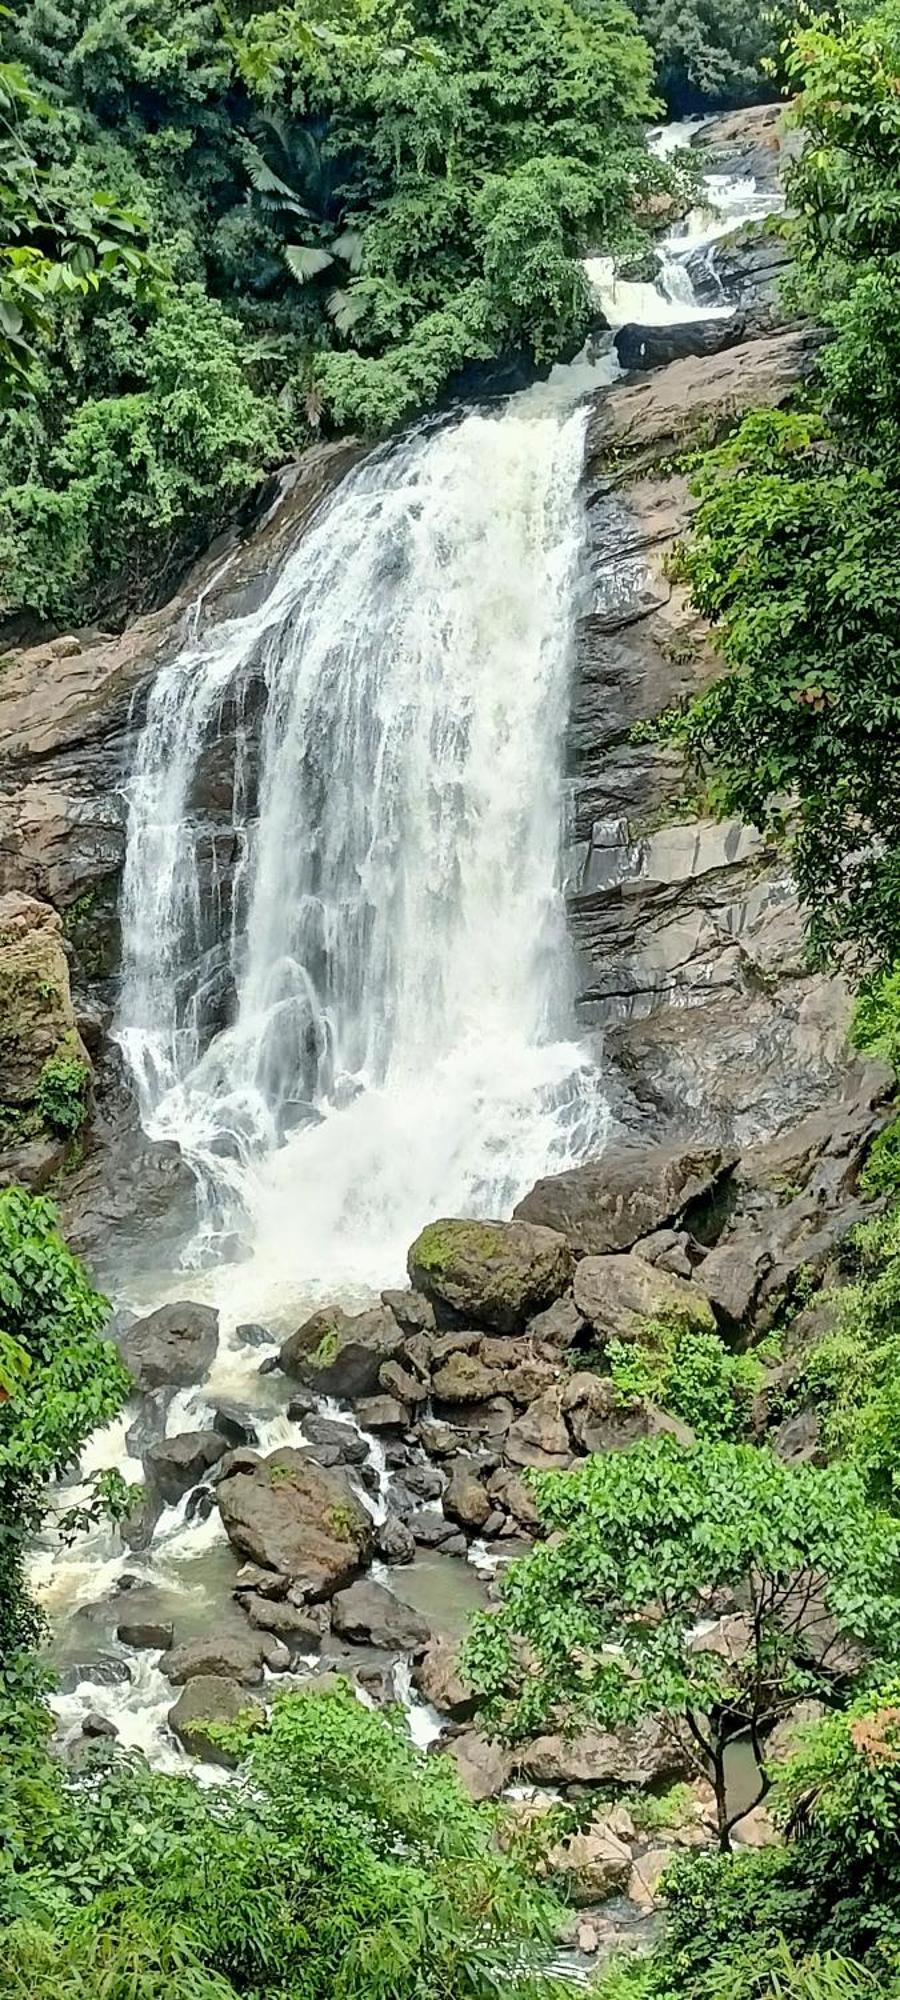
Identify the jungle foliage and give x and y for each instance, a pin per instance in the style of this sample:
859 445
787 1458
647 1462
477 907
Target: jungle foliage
333 212
796 555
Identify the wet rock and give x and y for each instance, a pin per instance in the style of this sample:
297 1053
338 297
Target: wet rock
251 1334
342 1356
276 1653
382 1413
437 1438
138 1526
401 1385
200 1504
369 1615
209 1699
465 1499
629 1192
591 1865
145 1634
645 1755
345 1440
641 347
439 1681
176 1464
539 1437
617 1294
235 1424
426 1481
412 1310
300 1405
227 1657
497 1274
395 1541
482 1766
431 1530
106 1669
557 1326
150 1423
291 1515
173 1347
302 1626
96 1726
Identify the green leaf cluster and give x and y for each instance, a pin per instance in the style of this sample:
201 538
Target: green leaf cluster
689 1371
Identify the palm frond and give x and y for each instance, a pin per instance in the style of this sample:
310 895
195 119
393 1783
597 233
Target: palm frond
305 261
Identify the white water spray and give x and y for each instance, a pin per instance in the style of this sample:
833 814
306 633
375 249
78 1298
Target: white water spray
391 958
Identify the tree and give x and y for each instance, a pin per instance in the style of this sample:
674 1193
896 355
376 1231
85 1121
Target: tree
712 54
599 1624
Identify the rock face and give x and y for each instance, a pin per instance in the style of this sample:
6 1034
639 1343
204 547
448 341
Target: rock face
617 1294
614 1201
688 931
495 1274
172 1347
288 1514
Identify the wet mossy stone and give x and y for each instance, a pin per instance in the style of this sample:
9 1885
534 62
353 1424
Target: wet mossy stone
489 1274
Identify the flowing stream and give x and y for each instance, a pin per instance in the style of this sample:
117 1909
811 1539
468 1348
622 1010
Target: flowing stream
346 981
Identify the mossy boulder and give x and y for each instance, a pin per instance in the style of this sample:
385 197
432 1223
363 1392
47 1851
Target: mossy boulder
617 1295
493 1274
341 1354
44 1066
205 1701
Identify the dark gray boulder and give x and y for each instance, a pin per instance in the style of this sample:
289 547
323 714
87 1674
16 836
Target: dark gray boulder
369 1615
173 1347
176 1464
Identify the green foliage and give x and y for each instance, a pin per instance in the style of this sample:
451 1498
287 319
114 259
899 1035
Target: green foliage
342 1865
60 1380
62 1091
688 1370
853 1374
876 1018
640 1542
344 209
796 554
881 1173
713 53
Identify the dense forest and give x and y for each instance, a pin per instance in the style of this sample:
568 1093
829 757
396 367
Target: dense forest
227 232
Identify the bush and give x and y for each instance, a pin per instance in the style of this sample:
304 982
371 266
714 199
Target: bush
62 1092
689 1371
60 1381
341 1865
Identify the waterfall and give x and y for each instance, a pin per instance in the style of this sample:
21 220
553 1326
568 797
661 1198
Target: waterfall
350 1005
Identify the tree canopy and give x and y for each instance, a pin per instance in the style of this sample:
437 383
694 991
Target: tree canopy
602 1623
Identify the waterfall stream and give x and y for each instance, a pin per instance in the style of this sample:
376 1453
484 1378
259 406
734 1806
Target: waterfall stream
393 961
346 976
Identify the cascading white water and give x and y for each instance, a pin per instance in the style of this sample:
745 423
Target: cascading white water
670 300
394 955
